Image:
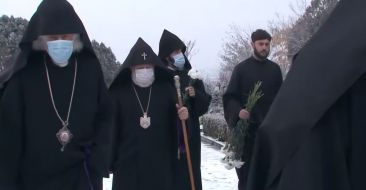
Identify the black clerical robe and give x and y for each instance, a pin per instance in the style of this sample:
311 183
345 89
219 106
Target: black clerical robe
144 157
242 82
31 157
30 152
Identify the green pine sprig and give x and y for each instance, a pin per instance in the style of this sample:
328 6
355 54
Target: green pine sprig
238 134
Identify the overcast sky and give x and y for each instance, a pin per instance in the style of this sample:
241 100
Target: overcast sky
118 23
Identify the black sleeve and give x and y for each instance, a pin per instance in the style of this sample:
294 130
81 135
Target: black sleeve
231 99
11 133
202 100
101 149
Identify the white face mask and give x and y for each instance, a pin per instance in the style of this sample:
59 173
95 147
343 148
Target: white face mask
143 77
60 51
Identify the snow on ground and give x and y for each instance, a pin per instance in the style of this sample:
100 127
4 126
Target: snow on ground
214 174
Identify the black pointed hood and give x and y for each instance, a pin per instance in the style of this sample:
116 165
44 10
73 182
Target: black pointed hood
169 42
52 17
329 64
141 53
55 17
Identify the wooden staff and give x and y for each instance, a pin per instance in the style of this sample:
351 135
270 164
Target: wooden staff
186 143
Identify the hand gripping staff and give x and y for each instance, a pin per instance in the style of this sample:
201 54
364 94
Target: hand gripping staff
186 143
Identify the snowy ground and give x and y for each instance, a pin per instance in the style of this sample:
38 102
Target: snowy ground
214 174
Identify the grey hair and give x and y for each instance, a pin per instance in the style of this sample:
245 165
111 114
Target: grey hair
40 43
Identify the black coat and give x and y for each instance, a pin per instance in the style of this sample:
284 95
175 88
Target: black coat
30 152
314 135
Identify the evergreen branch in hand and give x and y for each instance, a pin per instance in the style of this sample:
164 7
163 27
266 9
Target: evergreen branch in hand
238 135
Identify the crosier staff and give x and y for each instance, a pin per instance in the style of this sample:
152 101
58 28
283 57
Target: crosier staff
186 143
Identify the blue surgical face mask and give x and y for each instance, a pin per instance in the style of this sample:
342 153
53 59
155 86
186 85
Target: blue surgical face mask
179 61
60 51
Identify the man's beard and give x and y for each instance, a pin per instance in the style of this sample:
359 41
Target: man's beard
261 55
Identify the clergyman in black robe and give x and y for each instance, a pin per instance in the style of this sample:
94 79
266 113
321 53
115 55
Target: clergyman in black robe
314 135
55 121
171 52
145 144
245 75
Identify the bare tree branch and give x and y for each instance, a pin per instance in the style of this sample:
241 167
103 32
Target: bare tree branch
191 50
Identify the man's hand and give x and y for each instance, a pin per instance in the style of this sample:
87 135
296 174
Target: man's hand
182 113
244 114
191 92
